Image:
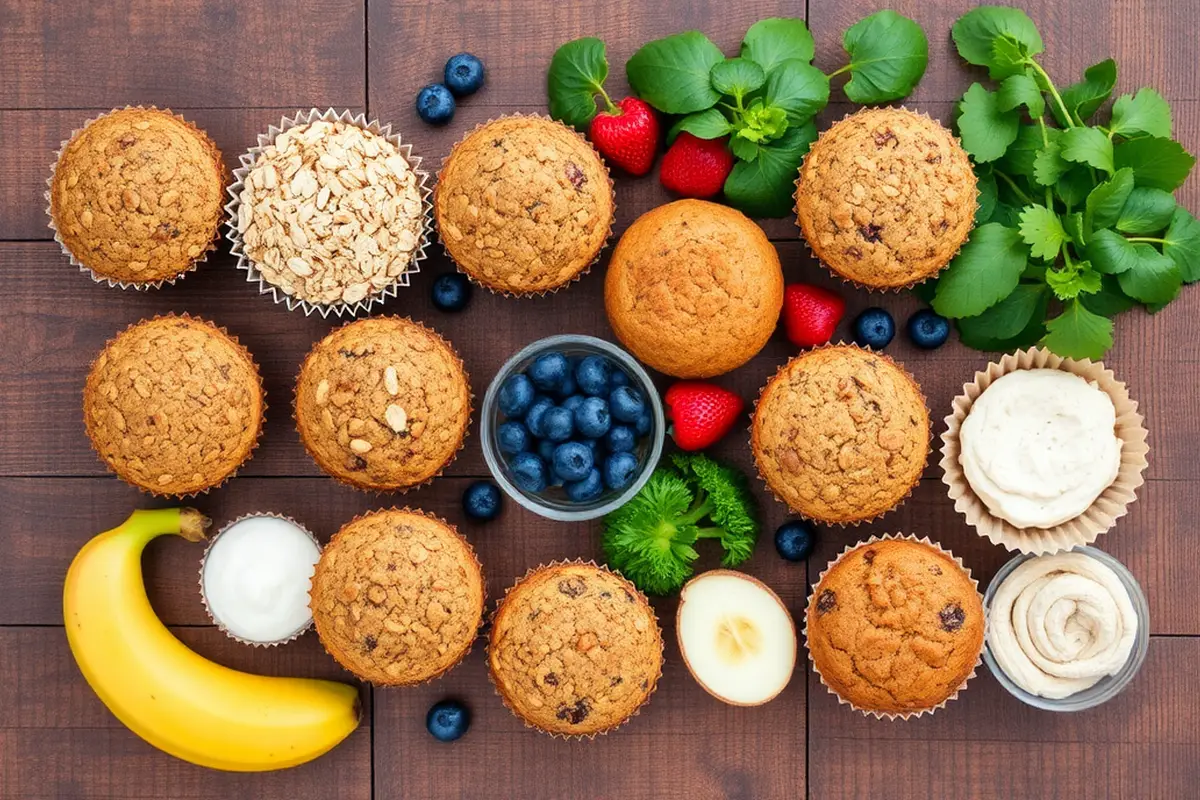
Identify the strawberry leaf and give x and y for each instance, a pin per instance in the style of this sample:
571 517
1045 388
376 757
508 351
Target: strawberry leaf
888 55
737 76
707 124
798 88
673 74
763 187
770 42
577 73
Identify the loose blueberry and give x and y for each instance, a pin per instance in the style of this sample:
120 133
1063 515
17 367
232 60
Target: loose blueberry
620 470
482 500
620 439
587 489
592 417
874 328
512 437
928 329
795 540
529 472
558 424
548 370
626 404
642 426
536 414
573 402
464 74
594 375
516 396
435 104
618 378
572 461
447 720
451 292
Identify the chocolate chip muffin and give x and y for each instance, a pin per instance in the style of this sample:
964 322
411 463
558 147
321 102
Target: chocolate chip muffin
397 597
841 434
895 626
136 196
524 204
694 289
886 197
575 650
173 405
383 404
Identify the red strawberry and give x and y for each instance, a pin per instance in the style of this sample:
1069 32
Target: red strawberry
702 413
696 167
627 137
811 314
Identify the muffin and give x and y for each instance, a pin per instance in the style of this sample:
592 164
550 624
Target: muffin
136 196
173 405
895 626
383 404
397 597
840 434
886 197
694 289
523 205
575 650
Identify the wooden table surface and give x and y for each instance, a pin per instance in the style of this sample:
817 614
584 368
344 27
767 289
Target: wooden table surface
235 67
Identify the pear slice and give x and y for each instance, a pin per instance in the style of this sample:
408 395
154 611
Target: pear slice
736 636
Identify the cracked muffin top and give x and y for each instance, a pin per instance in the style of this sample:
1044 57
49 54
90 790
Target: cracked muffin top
886 197
694 289
895 626
523 204
841 434
575 649
397 597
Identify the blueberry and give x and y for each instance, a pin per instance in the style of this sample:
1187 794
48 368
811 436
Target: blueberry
567 387
536 415
620 439
464 74
572 402
592 418
618 378
516 396
447 720
529 472
795 540
874 328
620 470
513 437
928 329
593 375
482 500
451 292
643 424
548 370
435 104
572 461
626 404
545 450
558 424
594 446
587 489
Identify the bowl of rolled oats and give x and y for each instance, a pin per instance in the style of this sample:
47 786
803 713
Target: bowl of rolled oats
330 213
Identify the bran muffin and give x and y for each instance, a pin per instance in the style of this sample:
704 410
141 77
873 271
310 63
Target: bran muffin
173 405
895 626
136 196
574 649
694 289
397 597
840 434
383 404
524 204
886 197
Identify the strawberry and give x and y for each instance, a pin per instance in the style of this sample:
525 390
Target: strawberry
702 413
695 167
627 136
811 314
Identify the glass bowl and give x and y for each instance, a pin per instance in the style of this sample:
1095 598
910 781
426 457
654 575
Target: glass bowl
553 501
1109 686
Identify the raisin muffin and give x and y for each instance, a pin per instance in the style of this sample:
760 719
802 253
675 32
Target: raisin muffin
383 404
136 196
841 434
575 650
397 597
694 289
173 405
523 204
895 626
886 197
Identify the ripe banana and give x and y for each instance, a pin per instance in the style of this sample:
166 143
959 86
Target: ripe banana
172 697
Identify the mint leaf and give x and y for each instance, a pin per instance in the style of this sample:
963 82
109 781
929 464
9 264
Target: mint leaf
1084 99
1145 112
798 88
763 187
1182 244
888 55
976 32
577 73
1070 282
770 42
1147 210
1109 301
1154 278
737 76
1078 333
1021 90
1041 230
1049 165
743 148
1104 203
985 271
1075 185
1088 146
1018 159
707 124
762 123
672 74
986 129
1156 162
1111 252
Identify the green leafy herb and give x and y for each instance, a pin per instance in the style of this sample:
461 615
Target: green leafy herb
577 73
762 122
1078 333
1155 161
1148 210
1145 112
986 129
1071 281
888 55
770 42
1083 99
1088 146
707 124
1154 277
800 89
1105 202
976 33
1181 243
673 74
1111 252
986 270
737 76
763 187
1041 230
1021 90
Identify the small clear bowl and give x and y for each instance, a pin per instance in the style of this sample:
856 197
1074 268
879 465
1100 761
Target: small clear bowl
1108 687
553 502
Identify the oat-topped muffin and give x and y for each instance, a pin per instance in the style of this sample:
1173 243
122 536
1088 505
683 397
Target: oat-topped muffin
886 197
694 289
383 403
575 649
173 405
523 204
840 434
895 626
136 196
397 597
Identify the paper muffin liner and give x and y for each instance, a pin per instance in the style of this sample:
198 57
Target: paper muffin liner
84 268
373 489
204 595
533 292
578 562
754 438
888 715
483 599
262 421
1112 503
247 264
837 275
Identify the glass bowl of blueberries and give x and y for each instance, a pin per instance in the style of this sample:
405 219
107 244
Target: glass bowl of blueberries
572 427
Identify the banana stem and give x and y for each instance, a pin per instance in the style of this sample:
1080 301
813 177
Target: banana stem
149 523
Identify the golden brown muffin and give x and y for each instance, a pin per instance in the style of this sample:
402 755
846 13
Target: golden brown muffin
136 196
895 626
397 597
524 204
383 403
694 289
886 197
841 434
575 649
173 405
